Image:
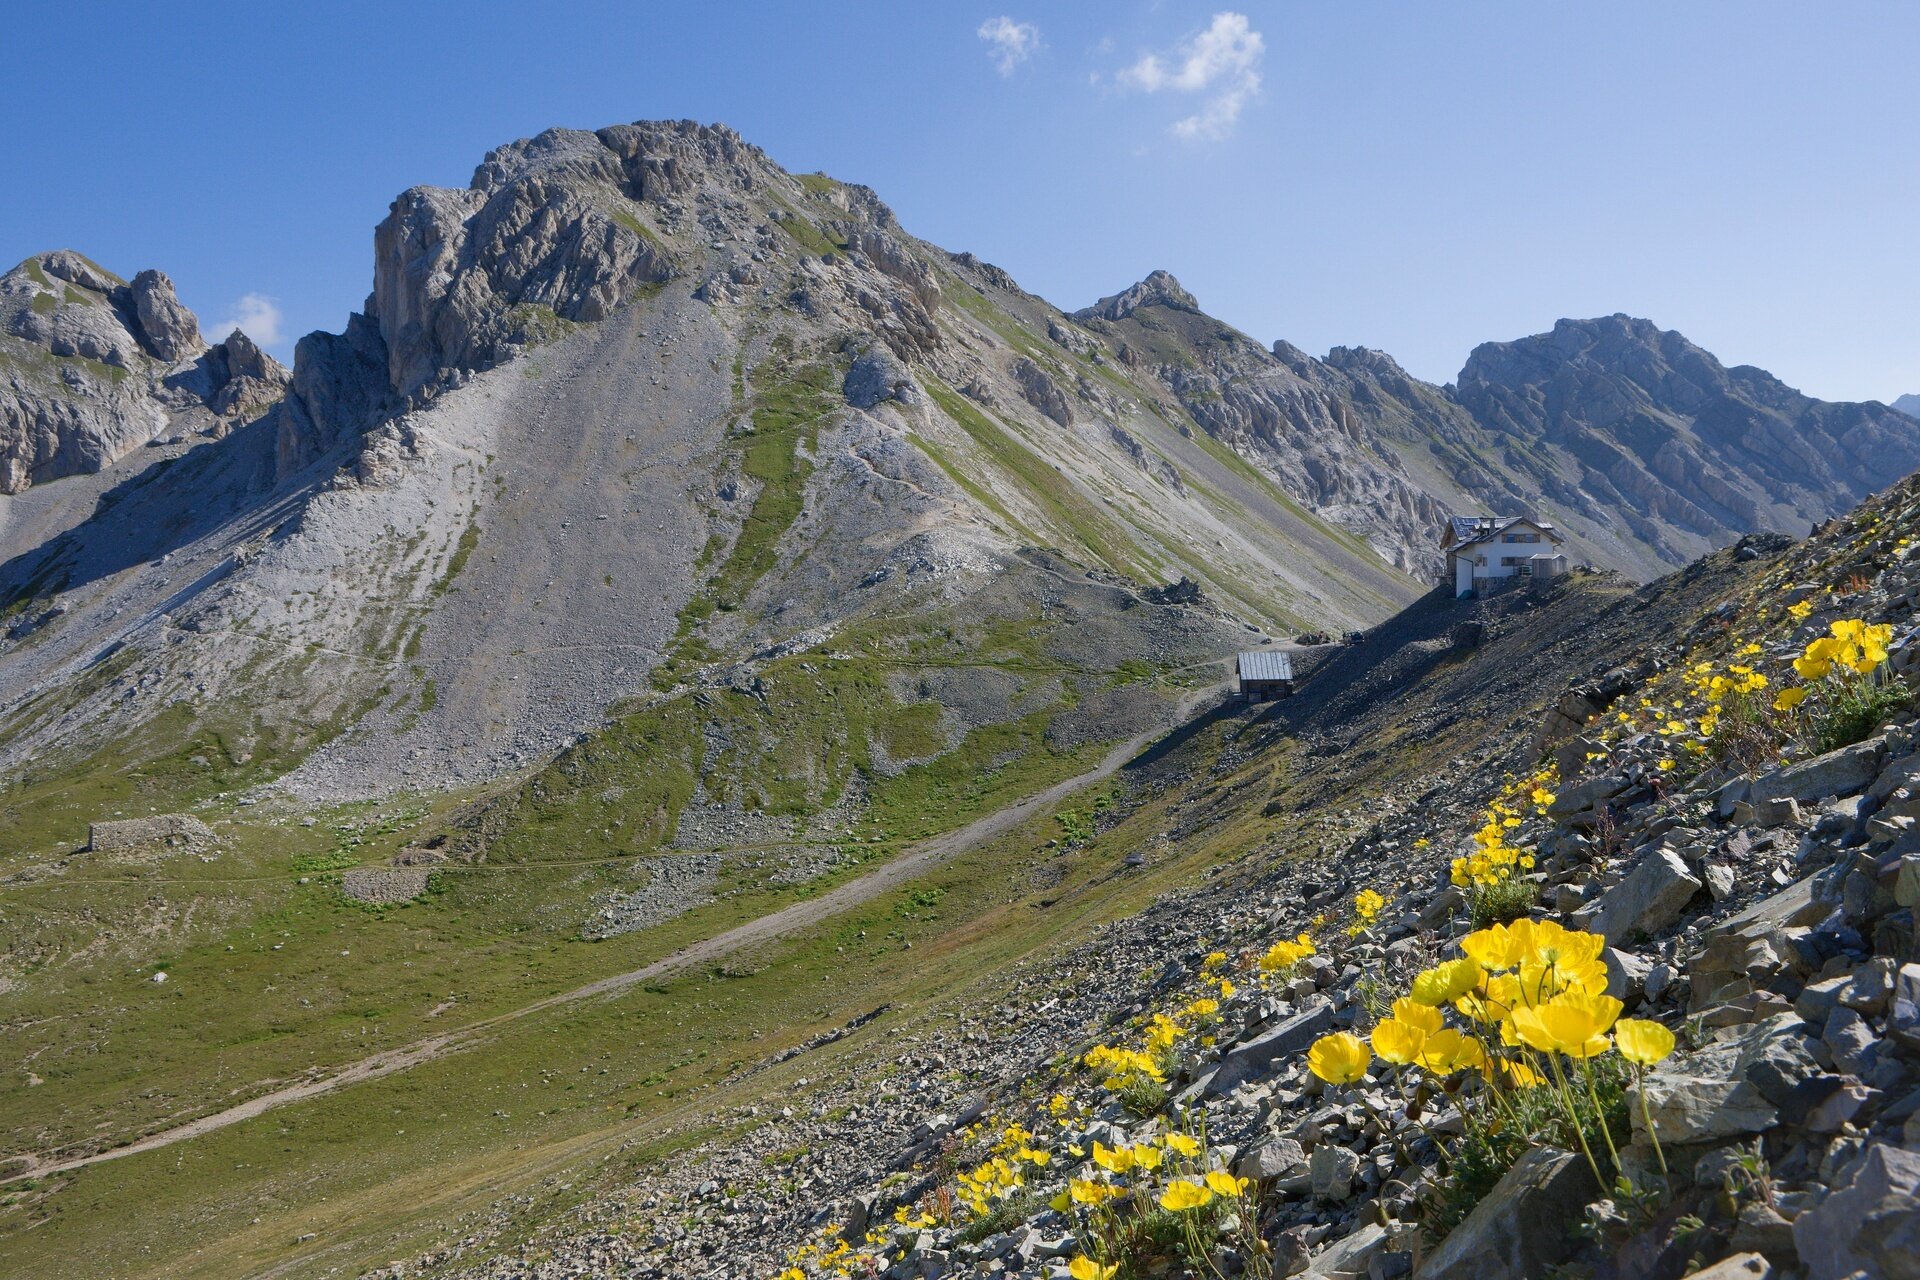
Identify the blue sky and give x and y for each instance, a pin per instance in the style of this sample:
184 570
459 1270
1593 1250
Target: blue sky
1417 177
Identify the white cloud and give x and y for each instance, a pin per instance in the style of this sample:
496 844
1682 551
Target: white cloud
1221 62
257 315
1009 43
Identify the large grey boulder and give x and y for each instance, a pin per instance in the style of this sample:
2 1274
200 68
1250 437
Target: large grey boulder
1727 1089
1652 897
1275 1157
1331 1170
1586 794
1351 1256
1262 1055
1042 392
1522 1227
1871 1226
877 376
1903 1008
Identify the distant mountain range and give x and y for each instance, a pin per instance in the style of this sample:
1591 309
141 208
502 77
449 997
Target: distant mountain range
638 409
1908 404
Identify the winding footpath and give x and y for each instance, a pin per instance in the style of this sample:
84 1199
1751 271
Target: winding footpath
919 858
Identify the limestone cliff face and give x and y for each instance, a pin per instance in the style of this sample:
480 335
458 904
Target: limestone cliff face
92 366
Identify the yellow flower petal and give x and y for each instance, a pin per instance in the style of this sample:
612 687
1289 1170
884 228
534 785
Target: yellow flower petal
1182 1194
1642 1041
1399 1042
1340 1058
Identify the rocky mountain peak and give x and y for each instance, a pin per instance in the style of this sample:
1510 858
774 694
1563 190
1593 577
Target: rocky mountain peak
92 366
167 328
1660 361
1368 360
1159 289
1908 404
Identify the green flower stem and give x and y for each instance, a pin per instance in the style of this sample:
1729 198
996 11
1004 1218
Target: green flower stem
1600 1114
1646 1114
1565 1094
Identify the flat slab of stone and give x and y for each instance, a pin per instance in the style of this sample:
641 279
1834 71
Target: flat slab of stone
1349 1257
1837 773
1262 1055
1792 905
385 886
1585 794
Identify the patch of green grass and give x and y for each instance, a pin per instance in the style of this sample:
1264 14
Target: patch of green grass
537 324
626 219
1100 539
997 321
973 488
790 397
804 232
462 552
1853 712
790 394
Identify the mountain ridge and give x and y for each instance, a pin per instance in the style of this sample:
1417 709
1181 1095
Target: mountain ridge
967 423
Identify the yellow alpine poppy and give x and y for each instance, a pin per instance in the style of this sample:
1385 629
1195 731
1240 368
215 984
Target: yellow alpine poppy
1084 1268
1446 982
1397 1041
1183 1144
1087 1191
1182 1194
1447 1051
1340 1058
1225 1184
1417 1014
1573 1024
1642 1041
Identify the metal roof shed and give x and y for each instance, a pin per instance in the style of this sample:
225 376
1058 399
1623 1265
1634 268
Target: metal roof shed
1263 674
